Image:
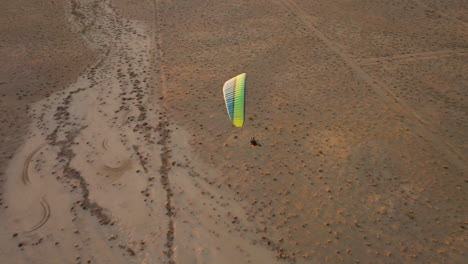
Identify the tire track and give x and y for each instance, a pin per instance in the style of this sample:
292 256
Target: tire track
25 173
140 158
125 165
45 215
165 134
380 88
124 117
105 144
160 53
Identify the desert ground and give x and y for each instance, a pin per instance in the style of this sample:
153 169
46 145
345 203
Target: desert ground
116 146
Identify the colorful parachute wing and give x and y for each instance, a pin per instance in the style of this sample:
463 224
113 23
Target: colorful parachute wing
234 90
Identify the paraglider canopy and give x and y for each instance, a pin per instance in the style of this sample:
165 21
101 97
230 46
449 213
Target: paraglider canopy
234 91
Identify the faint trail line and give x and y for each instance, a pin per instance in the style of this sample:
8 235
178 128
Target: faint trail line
442 14
430 55
25 173
379 87
165 135
45 215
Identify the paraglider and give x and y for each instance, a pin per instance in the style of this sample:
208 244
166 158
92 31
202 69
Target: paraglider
234 91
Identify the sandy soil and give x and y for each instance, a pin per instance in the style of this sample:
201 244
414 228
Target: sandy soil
116 147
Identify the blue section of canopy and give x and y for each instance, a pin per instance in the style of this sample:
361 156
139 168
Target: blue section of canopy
229 97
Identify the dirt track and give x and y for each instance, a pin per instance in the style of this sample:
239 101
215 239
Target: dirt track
116 147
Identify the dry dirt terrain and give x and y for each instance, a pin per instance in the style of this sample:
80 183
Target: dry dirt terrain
116 146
